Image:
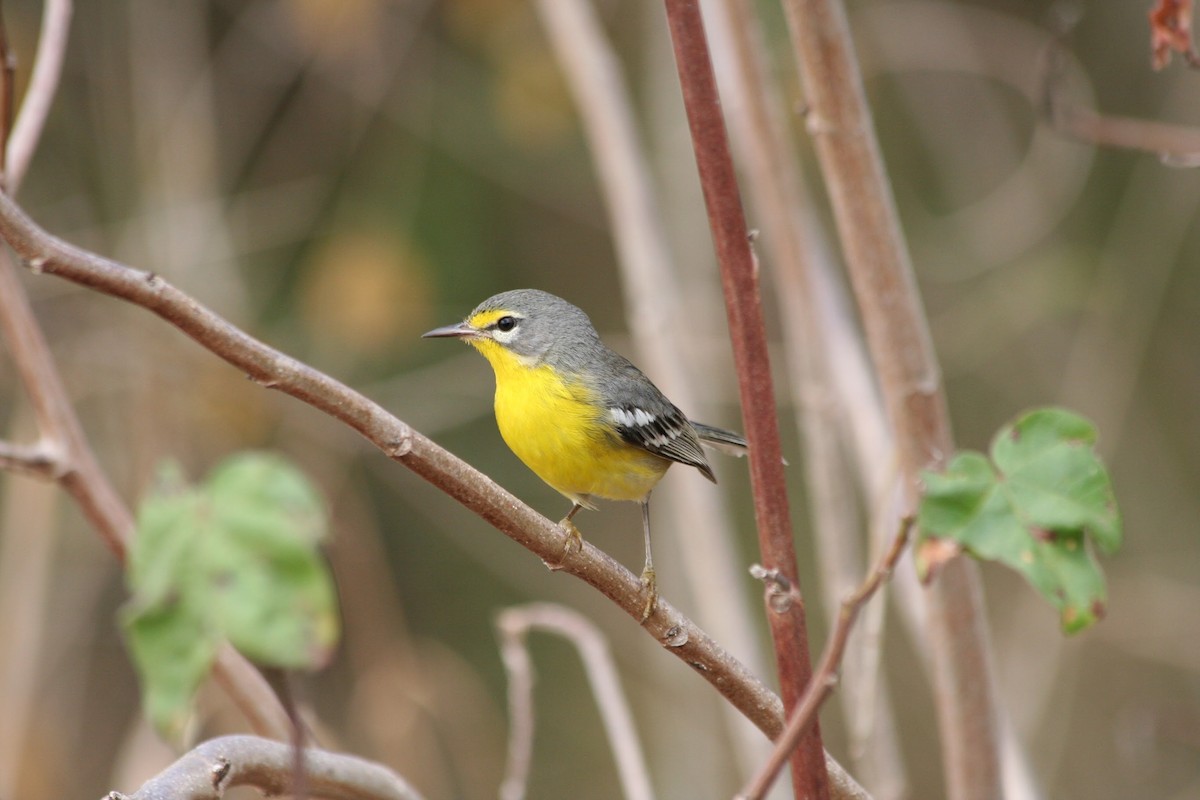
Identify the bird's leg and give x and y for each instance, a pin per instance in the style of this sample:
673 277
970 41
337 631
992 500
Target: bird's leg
648 577
574 540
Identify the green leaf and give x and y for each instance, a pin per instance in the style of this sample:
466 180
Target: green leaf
173 652
1035 506
274 596
234 560
167 526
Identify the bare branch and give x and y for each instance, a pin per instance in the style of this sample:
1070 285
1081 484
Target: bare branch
743 306
210 770
910 378
518 666
271 368
513 625
76 469
8 66
1176 145
825 678
39 96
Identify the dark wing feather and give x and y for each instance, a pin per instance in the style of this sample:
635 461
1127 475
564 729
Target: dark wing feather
664 432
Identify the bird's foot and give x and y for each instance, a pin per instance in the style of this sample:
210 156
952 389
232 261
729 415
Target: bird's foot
649 580
572 543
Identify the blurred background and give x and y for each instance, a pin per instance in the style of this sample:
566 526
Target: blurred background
337 177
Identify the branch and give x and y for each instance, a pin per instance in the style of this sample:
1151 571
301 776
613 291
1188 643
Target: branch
743 306
910 378
8 66
513 625
825 678
76 469
39 96
270 368
824 355
218 765
1177 145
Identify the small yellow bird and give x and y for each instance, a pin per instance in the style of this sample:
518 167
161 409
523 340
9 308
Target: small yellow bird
581 416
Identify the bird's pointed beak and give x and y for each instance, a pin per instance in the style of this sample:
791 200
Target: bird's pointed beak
460 330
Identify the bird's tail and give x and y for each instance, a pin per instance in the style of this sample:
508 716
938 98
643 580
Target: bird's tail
727 442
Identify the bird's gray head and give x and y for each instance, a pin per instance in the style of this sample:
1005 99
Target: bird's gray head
534 325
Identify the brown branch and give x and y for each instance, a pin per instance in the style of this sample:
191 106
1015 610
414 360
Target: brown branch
743 306
271 368
208 771
820 351
8 66
825 678
1178 145
39 95
76 469
910 378
513 626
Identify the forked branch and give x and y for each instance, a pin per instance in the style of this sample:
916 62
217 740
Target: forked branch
825 678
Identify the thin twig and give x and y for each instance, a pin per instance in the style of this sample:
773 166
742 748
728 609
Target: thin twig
825 677
909 375
210 770
273 369
743 306
513 625
8 87
1176 145
518 667
39 96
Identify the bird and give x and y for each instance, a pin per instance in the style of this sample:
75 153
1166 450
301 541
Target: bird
581 416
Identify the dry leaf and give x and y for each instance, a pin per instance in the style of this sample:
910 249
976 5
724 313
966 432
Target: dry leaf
1171 30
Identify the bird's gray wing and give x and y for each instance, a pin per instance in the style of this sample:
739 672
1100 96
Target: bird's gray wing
645 418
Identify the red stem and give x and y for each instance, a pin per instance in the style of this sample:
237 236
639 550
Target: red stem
739 278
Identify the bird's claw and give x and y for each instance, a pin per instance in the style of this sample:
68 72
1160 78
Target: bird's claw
572 543
649 580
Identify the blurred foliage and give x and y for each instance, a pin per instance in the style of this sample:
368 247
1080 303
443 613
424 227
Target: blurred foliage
338 176
234 560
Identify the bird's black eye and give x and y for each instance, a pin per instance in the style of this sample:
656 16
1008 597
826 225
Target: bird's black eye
506 324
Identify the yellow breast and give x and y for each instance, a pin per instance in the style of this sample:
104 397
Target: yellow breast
558 429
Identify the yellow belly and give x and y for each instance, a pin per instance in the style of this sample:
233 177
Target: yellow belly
554 428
